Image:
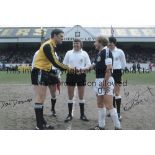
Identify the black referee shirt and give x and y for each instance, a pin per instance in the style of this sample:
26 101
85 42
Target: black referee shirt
100 66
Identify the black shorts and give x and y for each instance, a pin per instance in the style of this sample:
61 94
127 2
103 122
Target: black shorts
41 77
76 79
117 75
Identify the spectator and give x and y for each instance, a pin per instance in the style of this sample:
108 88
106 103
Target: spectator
138 67
134 68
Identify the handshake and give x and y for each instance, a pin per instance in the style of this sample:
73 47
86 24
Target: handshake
74 70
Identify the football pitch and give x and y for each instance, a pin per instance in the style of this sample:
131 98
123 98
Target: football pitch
128 78
17 100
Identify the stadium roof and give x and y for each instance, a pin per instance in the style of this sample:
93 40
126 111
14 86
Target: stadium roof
33 34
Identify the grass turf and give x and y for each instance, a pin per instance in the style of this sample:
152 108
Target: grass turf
135 79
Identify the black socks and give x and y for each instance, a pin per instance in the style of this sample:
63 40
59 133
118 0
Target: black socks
53 102
118 104
39 115
70 107
114 102
81 108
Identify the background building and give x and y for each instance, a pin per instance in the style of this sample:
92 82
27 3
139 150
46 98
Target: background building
18 44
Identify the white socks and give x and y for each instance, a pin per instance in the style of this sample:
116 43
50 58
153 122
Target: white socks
118 97
101 117
114 117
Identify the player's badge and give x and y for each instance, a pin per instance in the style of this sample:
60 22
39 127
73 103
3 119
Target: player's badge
116 59
81 60
98 59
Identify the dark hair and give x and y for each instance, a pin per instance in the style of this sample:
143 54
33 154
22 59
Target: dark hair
78 40
56 32
103 40
113 40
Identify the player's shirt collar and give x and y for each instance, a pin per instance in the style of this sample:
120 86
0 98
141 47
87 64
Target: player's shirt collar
53 43
103 49
115 49
77 51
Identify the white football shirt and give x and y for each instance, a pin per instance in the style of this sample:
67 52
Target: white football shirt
119 61
79 59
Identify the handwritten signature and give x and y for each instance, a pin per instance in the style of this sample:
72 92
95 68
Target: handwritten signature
13 102
138 98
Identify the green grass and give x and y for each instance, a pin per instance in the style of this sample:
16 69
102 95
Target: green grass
11 78
134 79
142 79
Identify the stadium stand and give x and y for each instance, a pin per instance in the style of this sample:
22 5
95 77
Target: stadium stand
18 44
142 55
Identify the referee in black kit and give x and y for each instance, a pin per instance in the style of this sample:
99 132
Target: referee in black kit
79 59
119 64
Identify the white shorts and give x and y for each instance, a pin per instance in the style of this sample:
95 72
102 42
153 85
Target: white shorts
98 87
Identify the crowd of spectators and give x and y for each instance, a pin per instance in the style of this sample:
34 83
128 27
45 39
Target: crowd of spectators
135 54
139 54
16 57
